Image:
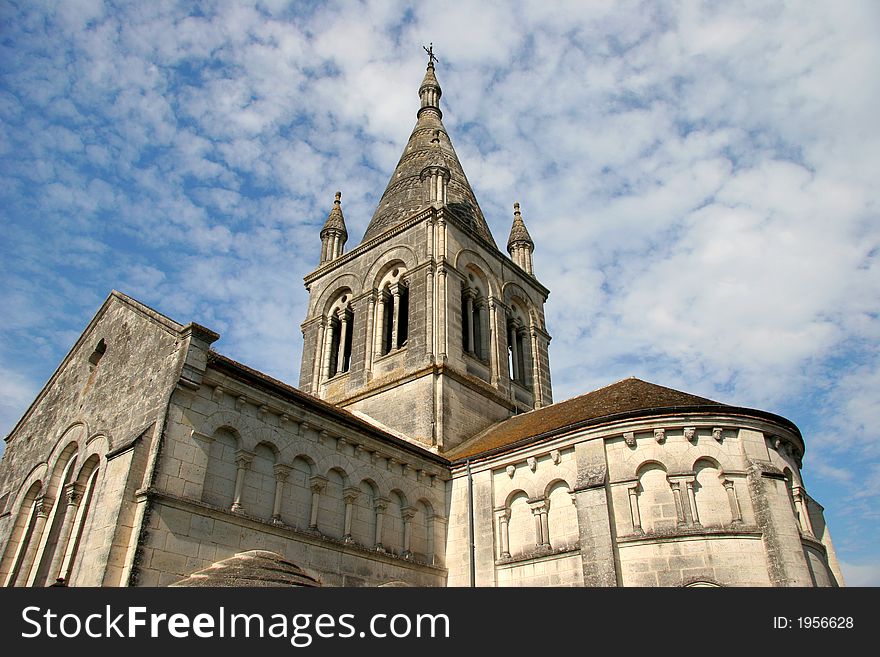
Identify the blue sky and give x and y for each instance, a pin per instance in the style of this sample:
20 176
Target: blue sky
700 180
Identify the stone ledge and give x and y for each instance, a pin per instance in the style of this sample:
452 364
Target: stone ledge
284 531
539 555
693 533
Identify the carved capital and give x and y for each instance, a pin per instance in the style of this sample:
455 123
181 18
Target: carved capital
350 494
533 463
380 504
660 435
318 483
511 470
243 458
408 513
629 438
691 434
42 505
717 433
281 471
539 505
555 457
73 493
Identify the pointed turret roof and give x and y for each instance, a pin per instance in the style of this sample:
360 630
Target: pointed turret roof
518 232
428 145
335 220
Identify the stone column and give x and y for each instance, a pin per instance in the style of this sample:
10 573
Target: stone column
379 343
679 505
380 505
319 350
343 336
441 311
429 312
371 313
689 483
802 511
328 349
504 531
539 510
395 320
493 342
536 378
281 471
735 512
469 320
317 483
42 505
407 513
350 496
243 459
545 524
634 508
514 353
72 496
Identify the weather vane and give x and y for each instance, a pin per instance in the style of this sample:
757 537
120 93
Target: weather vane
430 50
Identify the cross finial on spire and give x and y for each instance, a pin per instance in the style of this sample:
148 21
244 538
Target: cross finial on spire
430 50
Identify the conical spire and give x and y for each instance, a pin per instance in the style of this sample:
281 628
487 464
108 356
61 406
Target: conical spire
335 220
429 145
333 234
520 244
519 234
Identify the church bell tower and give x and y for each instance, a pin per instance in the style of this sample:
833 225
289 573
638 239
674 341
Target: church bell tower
426 326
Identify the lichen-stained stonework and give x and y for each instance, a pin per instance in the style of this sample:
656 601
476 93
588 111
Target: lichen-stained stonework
424 415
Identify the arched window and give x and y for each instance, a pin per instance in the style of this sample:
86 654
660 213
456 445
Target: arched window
392 312
521 526
710 495
474 319
338 339
657 508
22 536
518 346
220 473
562 516
87 481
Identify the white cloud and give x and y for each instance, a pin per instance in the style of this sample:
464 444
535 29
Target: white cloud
861 574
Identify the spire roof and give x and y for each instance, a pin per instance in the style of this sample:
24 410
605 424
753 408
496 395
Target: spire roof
428 145
518 231
335 220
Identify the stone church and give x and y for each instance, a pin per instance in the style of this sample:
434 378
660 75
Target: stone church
422 446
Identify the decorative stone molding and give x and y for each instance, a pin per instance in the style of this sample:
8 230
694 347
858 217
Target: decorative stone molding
243 458
629 437
660 435
281 471
691 434
318 483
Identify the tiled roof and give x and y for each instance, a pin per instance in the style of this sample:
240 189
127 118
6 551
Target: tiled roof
622 397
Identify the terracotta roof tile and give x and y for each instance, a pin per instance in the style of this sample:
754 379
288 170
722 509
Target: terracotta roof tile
622 397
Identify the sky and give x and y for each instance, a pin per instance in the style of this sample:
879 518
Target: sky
700 180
